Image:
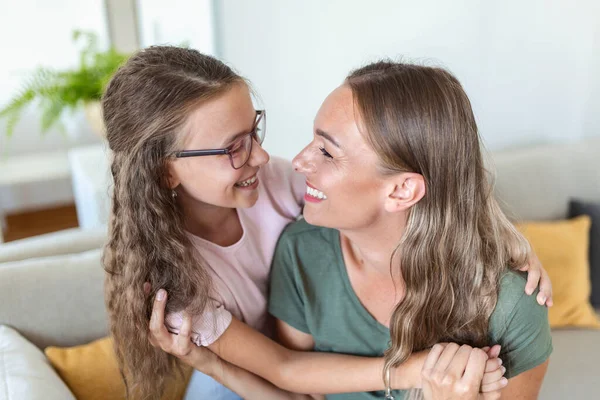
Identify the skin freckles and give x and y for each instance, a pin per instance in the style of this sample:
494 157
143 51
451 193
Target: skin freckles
340 163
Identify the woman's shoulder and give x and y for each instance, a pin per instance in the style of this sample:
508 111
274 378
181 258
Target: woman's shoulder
300 232
520 325
512 299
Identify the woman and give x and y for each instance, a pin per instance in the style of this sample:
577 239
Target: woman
395 172
407 232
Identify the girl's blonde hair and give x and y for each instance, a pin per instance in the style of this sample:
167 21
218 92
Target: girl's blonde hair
145 107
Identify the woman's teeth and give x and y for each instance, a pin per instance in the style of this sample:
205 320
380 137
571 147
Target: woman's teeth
247 182
317 194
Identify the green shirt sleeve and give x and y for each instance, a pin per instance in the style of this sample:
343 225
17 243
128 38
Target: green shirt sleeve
287 298
520 325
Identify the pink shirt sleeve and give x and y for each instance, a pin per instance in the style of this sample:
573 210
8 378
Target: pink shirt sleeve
207 327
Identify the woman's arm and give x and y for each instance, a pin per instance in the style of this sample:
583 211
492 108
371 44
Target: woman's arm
526 386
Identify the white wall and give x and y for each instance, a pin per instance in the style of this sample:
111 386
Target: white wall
531 68
176 23
38 33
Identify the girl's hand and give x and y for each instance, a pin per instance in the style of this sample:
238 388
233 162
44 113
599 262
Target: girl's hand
179 345
457 372
537 275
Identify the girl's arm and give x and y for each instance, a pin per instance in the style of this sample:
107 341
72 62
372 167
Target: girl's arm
237 379
296 371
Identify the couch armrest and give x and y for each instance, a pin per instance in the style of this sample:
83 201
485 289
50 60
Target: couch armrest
55 300
68 241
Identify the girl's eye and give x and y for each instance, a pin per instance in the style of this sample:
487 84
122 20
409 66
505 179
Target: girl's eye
325 153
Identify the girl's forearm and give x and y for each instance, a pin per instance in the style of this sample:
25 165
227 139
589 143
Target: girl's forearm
307 372
250 386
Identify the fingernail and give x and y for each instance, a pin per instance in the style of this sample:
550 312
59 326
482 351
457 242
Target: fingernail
543 300
529 291
504 381
160 296
500 361
503 369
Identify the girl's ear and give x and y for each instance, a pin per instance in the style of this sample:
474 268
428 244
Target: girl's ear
172 179
404 190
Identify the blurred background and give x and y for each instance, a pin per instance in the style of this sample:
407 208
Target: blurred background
530 68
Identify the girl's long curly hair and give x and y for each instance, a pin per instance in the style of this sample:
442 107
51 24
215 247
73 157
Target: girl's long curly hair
457 243
145 106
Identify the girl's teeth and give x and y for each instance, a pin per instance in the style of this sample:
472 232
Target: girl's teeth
317 194
248 182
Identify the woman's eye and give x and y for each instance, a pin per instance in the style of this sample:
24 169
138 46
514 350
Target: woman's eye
325 153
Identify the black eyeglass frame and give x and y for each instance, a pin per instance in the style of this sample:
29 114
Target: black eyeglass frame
260 115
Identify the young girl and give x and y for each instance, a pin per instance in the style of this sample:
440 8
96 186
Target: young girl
197 210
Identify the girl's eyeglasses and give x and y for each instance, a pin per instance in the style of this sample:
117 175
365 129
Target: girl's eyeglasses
240 150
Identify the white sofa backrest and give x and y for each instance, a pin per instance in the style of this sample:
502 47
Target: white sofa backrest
54 299
536 183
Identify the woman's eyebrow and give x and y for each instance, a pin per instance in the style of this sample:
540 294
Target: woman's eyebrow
328 137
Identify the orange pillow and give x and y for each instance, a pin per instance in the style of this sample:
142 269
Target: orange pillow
562 247
92 373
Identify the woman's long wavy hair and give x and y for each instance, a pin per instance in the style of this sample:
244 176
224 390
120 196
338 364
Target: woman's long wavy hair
457 243
145 106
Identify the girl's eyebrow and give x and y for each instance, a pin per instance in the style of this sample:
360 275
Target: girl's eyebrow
234 137
328 137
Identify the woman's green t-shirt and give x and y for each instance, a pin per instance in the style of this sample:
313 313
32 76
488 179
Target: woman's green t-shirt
311 291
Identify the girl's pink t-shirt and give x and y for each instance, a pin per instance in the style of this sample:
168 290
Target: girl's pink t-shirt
240 272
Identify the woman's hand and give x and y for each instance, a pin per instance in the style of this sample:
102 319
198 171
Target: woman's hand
537 275
179 345
459 372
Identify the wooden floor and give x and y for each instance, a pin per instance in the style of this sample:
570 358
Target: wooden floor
33 223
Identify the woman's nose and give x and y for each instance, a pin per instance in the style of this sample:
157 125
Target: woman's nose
304 162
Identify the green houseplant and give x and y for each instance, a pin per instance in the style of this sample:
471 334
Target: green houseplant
56 92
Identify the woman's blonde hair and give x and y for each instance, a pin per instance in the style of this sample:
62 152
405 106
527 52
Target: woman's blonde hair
145 107
457 243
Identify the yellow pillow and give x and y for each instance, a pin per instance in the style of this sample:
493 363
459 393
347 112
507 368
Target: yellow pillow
92 373
562 247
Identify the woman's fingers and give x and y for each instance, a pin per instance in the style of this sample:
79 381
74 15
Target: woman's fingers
447 356
432 357
475 368
459 362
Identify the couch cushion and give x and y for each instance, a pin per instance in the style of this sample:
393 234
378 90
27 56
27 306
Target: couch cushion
24 371
562 247
63 242
55 300
577 208
92 373
573 369
537 183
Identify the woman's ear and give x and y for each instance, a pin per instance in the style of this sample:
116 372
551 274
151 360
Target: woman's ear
404 190
172 178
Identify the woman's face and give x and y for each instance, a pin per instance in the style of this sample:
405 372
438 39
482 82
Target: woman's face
211 179
344 188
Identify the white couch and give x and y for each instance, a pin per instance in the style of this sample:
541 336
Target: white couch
51 286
